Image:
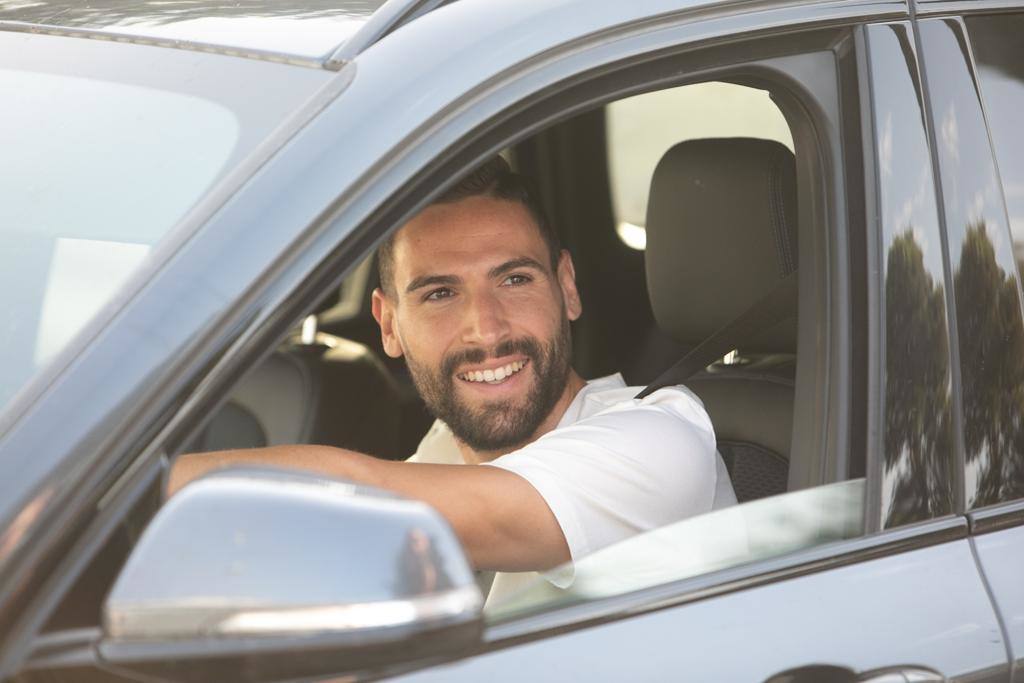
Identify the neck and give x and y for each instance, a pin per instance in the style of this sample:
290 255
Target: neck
572 387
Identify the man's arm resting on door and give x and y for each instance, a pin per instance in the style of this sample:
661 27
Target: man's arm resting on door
502 521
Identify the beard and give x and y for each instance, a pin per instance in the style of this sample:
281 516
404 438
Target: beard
497 425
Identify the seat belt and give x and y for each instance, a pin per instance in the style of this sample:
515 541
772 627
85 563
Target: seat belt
773 308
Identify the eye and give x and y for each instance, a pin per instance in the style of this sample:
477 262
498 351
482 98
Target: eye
517 279
438 294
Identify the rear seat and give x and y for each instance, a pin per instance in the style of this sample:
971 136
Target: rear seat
332 392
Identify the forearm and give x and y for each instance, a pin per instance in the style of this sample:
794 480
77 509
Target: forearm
500 519
324 460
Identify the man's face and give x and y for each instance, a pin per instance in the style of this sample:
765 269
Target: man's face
481 319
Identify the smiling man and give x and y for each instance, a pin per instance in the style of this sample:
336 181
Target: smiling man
477 296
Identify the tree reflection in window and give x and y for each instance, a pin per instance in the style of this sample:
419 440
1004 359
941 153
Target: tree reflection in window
918 453
992 360
918 449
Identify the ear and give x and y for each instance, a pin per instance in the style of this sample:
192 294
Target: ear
384 312
567 282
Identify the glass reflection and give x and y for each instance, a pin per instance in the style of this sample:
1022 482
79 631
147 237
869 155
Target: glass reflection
758 530
990 332
421 568
999 59
917 477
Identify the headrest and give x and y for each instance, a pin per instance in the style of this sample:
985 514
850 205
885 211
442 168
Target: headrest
721 233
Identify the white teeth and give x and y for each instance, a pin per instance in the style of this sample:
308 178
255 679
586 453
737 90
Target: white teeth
493 376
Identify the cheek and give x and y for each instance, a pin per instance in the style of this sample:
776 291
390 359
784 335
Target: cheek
539 314
427 335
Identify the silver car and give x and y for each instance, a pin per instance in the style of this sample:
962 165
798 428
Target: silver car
192 193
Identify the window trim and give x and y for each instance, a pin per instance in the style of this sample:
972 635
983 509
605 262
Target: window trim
998 517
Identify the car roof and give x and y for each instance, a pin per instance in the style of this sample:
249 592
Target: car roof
306 32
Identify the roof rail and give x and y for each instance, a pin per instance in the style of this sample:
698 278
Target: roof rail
157 41
390 16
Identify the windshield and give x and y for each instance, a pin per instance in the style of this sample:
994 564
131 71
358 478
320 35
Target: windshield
105 148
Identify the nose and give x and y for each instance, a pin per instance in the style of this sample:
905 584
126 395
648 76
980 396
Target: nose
485 322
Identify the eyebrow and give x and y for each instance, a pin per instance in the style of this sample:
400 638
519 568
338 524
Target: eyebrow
497 271
522 262
428 280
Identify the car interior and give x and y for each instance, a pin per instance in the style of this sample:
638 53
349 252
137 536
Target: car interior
330 382
704 174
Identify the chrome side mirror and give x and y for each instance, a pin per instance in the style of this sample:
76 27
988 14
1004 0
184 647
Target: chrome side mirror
260 574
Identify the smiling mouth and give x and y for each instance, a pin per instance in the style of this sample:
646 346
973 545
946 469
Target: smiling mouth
493 375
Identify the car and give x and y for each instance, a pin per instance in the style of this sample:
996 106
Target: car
827 194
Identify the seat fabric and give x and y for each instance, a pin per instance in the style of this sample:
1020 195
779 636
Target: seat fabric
721 234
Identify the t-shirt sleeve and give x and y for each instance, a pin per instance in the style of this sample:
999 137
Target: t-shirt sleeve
631 467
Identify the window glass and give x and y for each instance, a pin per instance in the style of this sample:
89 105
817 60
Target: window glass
989 327
999 58
83 198
106 147
917 461
641 129
725 538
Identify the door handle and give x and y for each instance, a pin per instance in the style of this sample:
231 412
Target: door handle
825 673
901 674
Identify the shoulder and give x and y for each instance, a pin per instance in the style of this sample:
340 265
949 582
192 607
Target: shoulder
666 434
670 409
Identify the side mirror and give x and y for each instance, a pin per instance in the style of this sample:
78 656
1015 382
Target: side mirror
255 574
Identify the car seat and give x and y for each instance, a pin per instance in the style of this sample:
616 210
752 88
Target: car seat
721 233
322 390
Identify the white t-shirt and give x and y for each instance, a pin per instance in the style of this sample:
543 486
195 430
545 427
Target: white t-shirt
614 466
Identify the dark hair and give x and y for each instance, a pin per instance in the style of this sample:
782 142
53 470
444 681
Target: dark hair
496 179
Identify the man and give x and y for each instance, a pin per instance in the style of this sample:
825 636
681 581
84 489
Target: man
477 296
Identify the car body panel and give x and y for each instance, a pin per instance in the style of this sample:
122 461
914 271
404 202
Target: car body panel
892 611
1001 555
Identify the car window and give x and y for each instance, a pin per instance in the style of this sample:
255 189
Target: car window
999 58
640 130
990 333
917 441
100 163
998 473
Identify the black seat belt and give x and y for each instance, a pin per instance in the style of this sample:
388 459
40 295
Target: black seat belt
773 308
